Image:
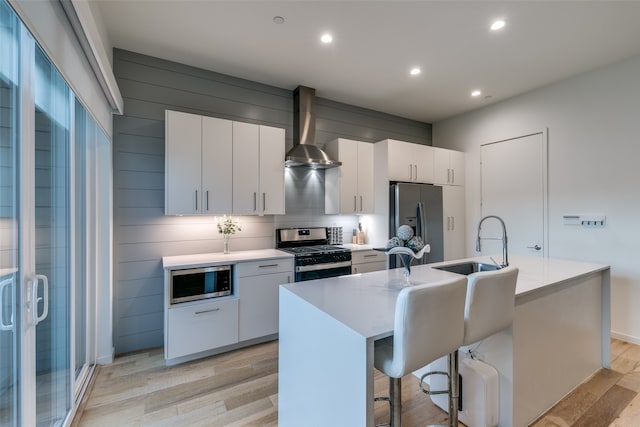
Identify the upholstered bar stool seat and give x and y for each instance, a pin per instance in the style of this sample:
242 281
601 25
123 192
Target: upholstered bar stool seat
429 323
489 309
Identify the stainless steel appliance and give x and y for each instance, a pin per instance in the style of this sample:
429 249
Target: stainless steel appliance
314 258
419 206
201 283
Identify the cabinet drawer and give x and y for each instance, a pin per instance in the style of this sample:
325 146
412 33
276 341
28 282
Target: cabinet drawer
358 257
368 267
267 266
203 326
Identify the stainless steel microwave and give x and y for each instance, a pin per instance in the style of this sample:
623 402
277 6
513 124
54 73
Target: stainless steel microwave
200 283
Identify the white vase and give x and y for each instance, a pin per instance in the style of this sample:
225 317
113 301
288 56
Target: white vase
225 238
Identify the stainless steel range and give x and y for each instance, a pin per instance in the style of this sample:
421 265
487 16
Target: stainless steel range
314 257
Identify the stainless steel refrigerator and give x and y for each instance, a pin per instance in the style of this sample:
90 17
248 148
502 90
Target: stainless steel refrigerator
419 206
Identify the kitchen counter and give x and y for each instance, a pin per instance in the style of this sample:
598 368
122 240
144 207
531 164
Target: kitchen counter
330 326
217 258
355 248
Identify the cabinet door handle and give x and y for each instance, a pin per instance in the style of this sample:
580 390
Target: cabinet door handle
354 203
267 265
448 176
207 311
207 200
264 202
453 176
360 203
255 201
416 174
196 200
370 256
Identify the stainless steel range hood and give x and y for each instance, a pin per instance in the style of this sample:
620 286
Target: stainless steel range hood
305 152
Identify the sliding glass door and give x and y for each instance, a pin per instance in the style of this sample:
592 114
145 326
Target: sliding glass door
9 218
48 238
52 281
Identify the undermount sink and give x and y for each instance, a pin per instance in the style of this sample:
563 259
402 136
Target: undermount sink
467 268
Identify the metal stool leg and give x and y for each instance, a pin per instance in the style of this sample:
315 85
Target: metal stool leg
395 394
395 403
453 389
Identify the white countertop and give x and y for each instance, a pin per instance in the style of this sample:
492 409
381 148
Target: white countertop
357 300
536 273
355 248
202 260
7 271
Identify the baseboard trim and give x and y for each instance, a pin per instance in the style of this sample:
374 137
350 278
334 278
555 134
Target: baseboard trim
624 337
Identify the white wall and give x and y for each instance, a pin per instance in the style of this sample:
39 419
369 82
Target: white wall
593 123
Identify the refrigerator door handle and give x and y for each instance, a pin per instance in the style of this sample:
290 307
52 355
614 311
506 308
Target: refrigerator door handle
421 228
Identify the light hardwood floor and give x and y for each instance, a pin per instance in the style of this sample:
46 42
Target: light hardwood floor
240 389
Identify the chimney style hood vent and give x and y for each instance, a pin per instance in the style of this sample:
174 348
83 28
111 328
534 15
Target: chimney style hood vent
305 152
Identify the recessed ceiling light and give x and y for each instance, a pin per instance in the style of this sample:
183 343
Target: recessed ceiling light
476 93
497 25
278 20
415 71
326 38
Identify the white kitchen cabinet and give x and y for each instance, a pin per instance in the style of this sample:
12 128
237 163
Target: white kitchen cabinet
258 169
453 221
410 162
197 161
367 261
349 188
258 283
199 326
448 167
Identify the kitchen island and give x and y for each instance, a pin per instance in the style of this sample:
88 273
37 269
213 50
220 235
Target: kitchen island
559 338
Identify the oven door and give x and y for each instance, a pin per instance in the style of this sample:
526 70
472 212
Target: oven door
322 271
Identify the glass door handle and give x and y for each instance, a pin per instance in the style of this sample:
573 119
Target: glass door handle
35 300
5 326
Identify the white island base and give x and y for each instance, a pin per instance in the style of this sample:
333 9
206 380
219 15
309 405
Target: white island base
559 338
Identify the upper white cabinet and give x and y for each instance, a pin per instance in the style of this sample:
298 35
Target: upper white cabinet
216 166
197 160
448 166
258 169
410 162
349 188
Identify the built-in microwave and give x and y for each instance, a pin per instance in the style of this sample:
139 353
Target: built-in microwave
200 283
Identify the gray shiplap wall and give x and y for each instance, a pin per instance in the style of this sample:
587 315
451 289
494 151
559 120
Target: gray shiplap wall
143 234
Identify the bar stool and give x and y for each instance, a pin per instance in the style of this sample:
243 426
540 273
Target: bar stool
489 308
429 323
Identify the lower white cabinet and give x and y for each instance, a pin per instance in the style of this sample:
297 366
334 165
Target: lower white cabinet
367 261
258 283
200 326
250 315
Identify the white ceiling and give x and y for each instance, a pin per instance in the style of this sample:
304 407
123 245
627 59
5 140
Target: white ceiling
377 42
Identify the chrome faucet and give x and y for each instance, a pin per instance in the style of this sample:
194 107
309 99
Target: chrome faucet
505 259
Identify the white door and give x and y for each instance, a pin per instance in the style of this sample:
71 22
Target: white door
514 187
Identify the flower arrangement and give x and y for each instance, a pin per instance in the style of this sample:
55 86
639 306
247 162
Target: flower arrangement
227 225
405 238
